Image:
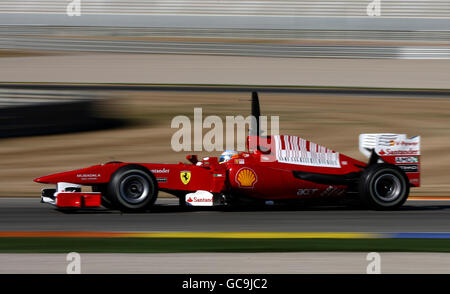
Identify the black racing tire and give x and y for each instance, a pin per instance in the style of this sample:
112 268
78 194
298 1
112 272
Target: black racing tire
106 203
182 202
383 187
132 188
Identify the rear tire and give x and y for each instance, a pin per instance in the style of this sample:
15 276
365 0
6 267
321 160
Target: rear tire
383 187
132 188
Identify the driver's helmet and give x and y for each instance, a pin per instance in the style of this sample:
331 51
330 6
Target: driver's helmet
226 155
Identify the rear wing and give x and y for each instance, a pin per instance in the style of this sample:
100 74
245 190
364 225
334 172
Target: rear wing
396 149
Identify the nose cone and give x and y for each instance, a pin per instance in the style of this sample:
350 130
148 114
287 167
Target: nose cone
39 180
87 175
58 177
45 180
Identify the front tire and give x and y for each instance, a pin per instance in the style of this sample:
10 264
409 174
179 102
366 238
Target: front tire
383 187
132 188
106 203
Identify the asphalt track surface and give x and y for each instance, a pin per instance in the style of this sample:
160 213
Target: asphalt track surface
28 214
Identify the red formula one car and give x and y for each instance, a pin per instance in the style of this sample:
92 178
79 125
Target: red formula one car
275 168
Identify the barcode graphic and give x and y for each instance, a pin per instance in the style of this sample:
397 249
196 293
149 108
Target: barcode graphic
295 150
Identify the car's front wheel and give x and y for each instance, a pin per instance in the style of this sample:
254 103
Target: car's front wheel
383 187
132 188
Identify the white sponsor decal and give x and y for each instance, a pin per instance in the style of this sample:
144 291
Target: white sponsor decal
389 151
295 150
403 143
239 161
160 171
88 175
199 198
405 159
398 145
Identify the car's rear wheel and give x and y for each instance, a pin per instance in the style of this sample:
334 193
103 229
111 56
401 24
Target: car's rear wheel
132 188
383 187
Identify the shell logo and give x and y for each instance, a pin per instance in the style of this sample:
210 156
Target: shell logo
246 177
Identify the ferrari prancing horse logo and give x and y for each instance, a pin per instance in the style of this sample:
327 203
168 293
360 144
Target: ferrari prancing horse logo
185 176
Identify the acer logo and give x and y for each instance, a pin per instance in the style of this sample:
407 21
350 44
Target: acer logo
306 192
409 168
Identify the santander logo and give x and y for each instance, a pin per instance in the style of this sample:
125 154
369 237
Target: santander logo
196 199
388 151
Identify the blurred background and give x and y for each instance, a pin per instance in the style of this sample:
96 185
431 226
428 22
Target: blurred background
105 85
